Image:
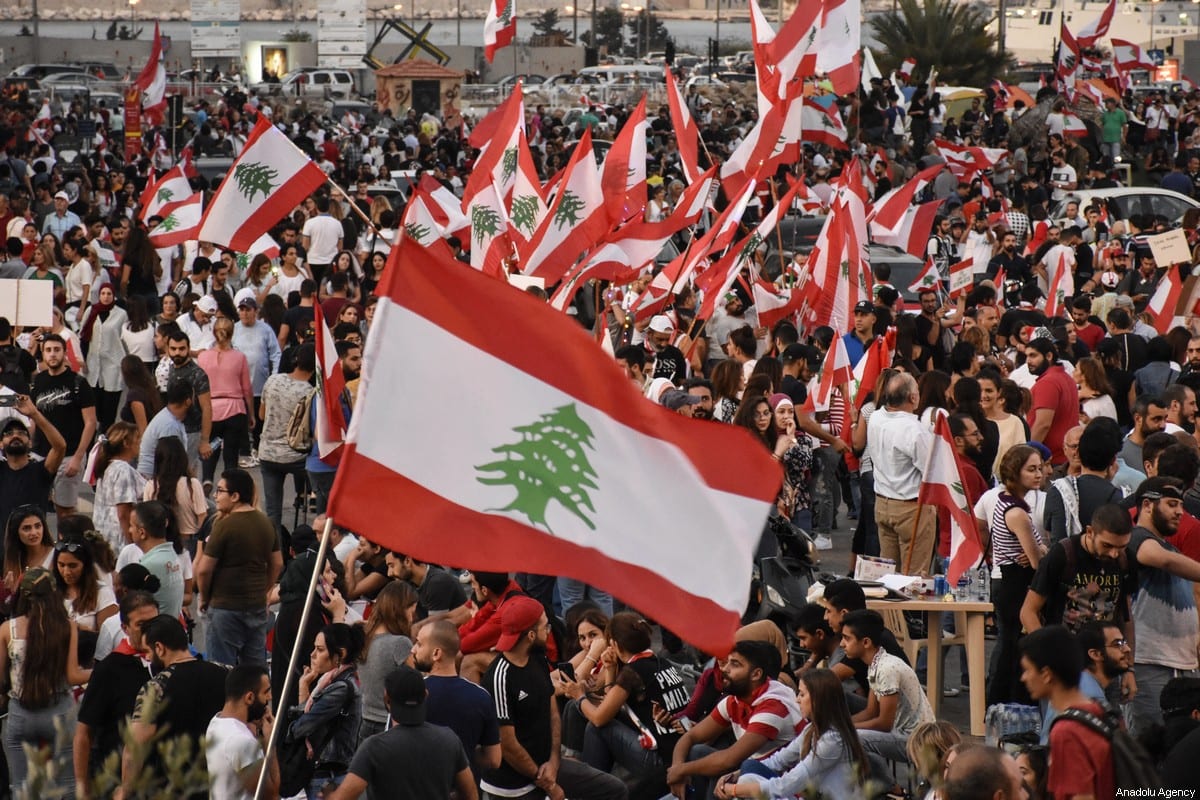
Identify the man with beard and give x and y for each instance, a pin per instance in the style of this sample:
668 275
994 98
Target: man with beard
198 324
530 725
237 736
1149 418
1164 609
111 692
967 443
1193 356
759 710
179 701
22 479
1014 265
197 423
1107 658
669 362
730 317
1180 401
1055 406
702 388
454 702
69 403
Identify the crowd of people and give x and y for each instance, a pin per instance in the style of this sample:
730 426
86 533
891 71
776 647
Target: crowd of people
175 390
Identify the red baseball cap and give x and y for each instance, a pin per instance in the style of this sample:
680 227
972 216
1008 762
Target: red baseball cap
517 615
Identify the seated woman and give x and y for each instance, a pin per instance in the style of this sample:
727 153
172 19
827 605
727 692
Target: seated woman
825 760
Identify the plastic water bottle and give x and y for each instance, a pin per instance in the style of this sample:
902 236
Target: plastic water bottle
983 589
962 591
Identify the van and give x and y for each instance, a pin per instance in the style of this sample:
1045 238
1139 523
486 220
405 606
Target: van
628 74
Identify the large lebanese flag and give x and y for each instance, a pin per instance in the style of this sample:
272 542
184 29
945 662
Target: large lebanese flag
153 82
270 178
543 482
623 174
1165 300
942 486
500 26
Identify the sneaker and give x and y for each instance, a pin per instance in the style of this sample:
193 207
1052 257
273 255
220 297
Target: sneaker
823 542
246 462
951 692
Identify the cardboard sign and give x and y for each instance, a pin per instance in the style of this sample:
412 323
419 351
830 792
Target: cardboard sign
27 304
1170 248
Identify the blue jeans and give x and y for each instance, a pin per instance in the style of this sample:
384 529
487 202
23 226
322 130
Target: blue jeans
322 484
571 591
273 474
320 782
35 727
236 637
618 743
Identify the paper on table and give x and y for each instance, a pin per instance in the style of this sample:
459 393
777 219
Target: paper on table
899 583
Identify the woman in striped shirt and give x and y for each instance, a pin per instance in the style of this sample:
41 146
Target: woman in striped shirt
1016 550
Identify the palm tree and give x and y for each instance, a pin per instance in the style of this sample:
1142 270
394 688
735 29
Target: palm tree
945 34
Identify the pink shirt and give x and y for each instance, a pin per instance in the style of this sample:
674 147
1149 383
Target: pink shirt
229 381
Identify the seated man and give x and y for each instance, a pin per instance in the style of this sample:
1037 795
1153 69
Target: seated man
841 597
896 704
825 650
760 710
479 634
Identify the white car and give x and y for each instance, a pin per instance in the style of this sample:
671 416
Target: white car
311 82
1127 201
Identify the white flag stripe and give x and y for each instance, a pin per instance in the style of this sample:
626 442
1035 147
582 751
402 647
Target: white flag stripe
676 517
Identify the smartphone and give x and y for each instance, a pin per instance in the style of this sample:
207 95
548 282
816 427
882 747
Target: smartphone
8 400
566 668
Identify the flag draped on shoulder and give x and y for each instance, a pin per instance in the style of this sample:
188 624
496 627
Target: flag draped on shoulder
500 26
942 486
153 82
270 178
542 482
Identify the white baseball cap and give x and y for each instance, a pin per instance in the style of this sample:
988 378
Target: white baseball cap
661 323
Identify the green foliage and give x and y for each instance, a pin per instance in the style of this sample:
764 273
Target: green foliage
548 463
546 23
943 34
297 35
658 34
610 31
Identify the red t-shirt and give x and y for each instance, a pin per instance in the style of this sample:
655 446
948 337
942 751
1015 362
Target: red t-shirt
1056 390
1080 760
1091 335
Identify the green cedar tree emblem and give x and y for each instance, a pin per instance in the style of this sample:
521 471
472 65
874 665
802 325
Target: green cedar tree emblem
254 178
568 210
164 195
243 260
170 223
485 222
751 245
524 212
548 463
845 269
417 231
508 165
507 14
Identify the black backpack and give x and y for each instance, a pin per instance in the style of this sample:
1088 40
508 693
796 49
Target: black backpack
1132 766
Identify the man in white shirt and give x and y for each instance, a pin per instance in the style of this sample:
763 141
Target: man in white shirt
322 239
237 736
898 444
198 324
1063 179
981 242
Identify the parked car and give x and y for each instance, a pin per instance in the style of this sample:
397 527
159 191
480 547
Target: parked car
39 71
310 82
1126 201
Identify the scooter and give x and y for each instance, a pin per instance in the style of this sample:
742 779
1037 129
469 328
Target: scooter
780 583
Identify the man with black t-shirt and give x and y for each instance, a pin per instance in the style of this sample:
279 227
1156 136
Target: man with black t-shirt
1023 315
112 691
530 725
299 321
22 479
1071 500
1085 577
70 404
179 701
439 594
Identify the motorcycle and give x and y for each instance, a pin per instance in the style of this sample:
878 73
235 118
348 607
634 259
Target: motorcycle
780 583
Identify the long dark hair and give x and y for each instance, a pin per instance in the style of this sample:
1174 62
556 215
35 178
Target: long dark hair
831 712
390 612
14 550
745 418
344 641
89 581
159 522
138 253
47 640
139 313
136 376
171 465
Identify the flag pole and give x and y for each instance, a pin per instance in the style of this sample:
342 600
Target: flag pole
290 678
353 205
778 233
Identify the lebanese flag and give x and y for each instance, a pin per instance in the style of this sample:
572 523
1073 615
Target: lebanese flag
942 488
490 242
1068 67
836 371
270 178
957 269
420 220
928 279
527 206
500 27
574 222
887 213
542 482
792 50
1073 125
772 139
168 192
1097 29
821 125
912 233
1128 56
773 304
906 68
766 77
839 44
839 264
330 428
623 178
180 224
153 82
1056 303
875 360
687 135
498 140
1165 300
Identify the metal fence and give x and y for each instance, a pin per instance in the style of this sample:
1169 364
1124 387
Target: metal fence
482 97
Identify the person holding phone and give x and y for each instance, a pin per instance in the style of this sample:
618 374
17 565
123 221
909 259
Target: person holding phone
23 480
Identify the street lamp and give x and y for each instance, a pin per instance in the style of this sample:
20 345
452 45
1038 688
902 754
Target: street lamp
133 16
574 12
637 28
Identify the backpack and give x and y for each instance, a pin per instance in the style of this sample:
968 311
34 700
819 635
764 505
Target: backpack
299 427
1132 766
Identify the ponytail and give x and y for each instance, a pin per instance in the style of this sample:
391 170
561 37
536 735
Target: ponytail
112 443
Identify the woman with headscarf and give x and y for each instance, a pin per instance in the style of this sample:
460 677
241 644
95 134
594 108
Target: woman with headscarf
101 339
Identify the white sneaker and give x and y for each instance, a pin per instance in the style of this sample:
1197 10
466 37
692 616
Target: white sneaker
823 542
951 691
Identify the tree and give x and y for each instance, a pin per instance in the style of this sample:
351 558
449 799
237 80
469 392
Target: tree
549 463
546 24
658 38
609 33
944 34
